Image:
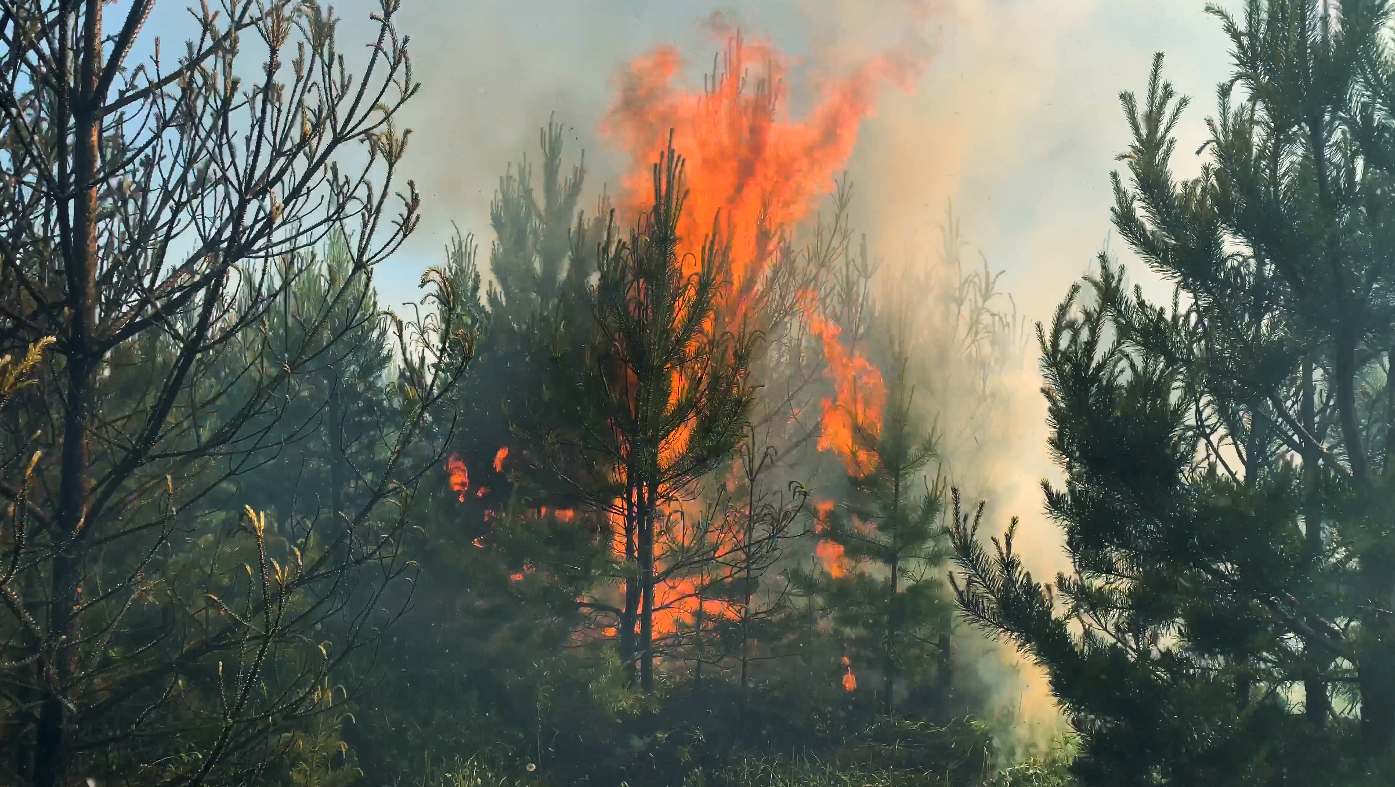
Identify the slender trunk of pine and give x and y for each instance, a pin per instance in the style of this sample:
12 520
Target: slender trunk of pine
1318 704
747 594
944 669
337 474
630 614
892 619
1376 675
891 636
646 578
697 636
81 269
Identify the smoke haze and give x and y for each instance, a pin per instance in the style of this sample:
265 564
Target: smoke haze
1013 117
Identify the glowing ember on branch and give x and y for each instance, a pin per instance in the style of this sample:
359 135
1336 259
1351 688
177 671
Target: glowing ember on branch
499 458
849 679
745 157
459 476
855 413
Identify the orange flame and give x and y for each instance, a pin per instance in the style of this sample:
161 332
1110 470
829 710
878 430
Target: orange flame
527 569
459 476
849 679
762 170
499 459
829 553
855 412
748 165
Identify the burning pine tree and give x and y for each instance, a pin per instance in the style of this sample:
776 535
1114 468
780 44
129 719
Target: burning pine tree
878 552
668 394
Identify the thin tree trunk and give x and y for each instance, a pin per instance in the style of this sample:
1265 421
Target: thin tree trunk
1376 674
337 474
891 633
629 615
1317 703
697 635
944 679
891 621
747 594
56 664
646 577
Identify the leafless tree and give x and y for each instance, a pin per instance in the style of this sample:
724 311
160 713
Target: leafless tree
151 217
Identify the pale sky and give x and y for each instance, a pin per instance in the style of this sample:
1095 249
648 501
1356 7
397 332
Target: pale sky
1016 119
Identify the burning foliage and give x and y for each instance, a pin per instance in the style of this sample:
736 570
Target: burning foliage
852 418
459 476
754 173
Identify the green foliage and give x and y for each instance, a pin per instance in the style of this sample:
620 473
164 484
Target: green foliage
1225 457
890 610
667 395
315 752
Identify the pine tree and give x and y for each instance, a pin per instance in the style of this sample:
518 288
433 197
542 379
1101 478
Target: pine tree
1228 458
881 587
667 395
338 417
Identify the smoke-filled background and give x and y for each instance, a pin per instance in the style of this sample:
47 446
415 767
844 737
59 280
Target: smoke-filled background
605 392
1008 110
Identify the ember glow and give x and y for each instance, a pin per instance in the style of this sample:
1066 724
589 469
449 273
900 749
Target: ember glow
459 476
499 458
854 413
849 679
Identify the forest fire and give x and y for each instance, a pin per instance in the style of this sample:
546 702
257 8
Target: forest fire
830 554
459 476
854 415
849 679
762 171
499 458
758 174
